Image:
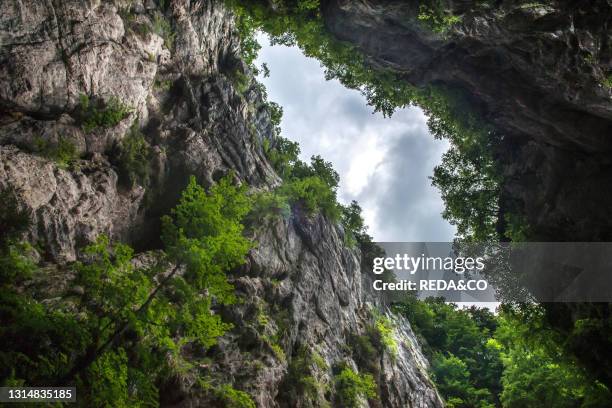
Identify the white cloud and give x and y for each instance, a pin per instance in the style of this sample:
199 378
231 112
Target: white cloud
384 163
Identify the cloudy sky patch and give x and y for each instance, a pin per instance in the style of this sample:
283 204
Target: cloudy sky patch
384 163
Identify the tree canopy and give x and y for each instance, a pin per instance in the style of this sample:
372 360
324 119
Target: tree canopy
123 333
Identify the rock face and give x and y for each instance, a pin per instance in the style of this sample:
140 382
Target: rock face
541 74
538 72
178 70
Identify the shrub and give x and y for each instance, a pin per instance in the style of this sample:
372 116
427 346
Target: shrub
385 330
101 114
234 398
278 351
269 204
240 80
63 152
302 380
354 226
364 352
313 194
204 234
283 155
162 27
134 157
517 227
351 387
435 18
276 115
313 186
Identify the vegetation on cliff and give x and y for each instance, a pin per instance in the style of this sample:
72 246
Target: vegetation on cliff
511 359
468 177
469 180
122 328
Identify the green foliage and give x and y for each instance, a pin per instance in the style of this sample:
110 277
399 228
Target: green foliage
162 27
313 194
111 386
537 369
385 329
278 351
269 204
473 207
122 334
466 369
452 378
276 115
434 16
607 81
366 350
99 113
284 156
204 233
354 227
468 178
265 70
247 31
63 152
134 157
517 228
233 398
511 360
303 382
352 387
311 186
240 80
262 318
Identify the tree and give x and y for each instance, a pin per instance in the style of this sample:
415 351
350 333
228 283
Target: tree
123 334
537 370
468 177
467 367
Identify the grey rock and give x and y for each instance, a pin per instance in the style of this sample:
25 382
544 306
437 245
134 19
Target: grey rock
69 208
197 122
535 72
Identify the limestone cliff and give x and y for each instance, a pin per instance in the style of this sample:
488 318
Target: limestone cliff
177 69
539 72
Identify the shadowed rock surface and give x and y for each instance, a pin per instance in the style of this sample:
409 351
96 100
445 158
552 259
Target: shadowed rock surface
536 71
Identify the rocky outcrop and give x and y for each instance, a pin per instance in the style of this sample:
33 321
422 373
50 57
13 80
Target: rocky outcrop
539 72
195 120
305 286
69 207
178 72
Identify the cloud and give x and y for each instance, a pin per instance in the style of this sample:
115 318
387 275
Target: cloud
384 163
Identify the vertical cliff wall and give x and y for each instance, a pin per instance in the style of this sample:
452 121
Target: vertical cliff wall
539 72
176 69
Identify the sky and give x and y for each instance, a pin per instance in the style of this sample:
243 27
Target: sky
383 163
